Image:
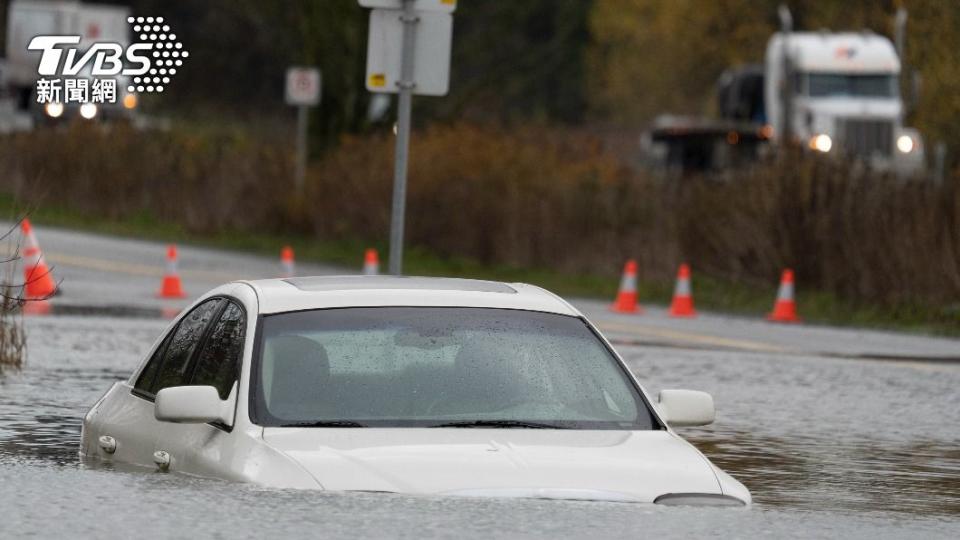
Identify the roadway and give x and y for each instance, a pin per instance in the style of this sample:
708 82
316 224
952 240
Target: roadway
104 274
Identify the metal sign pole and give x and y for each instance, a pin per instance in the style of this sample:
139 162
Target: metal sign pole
786 27
301 166
406 84
302 90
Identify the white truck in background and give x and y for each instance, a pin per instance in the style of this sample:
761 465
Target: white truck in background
833 93
93 22
845 98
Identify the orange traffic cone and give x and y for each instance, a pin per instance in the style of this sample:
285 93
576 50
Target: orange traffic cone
170 287
371 262
785 308
626 301
37 279
286 261
682 305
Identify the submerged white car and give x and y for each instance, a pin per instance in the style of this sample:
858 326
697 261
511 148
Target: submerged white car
409 385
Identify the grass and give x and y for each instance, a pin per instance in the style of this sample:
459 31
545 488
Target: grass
710 293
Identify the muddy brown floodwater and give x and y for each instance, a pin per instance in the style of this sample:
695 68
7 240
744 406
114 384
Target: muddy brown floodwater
829 448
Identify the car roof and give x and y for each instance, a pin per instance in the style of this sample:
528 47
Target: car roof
320 292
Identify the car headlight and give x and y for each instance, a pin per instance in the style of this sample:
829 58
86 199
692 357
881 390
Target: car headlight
905 144
88 110
698 499
821 143
53 110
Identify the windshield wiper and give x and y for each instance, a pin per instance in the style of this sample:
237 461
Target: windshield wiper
500 424
325 423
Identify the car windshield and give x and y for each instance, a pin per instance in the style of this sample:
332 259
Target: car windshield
439 367
861 85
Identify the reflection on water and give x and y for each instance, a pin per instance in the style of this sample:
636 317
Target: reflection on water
839 447
851 435
44 308
859 476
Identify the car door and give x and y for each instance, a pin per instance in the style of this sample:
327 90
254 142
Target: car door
124 418
206 449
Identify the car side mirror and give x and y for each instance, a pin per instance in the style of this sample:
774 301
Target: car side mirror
194 405
686 407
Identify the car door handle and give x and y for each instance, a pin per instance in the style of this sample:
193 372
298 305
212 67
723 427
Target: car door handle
107 443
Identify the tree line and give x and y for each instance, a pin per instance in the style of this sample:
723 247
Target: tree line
556 62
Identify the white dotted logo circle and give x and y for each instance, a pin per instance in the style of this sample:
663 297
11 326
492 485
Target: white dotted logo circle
165 46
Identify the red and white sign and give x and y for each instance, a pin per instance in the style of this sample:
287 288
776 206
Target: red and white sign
303 86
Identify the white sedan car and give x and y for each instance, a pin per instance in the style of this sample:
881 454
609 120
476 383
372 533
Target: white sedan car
408 385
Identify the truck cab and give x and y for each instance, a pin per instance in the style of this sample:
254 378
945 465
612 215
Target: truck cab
844 98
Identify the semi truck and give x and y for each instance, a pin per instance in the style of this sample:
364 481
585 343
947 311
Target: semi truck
93 22
832 93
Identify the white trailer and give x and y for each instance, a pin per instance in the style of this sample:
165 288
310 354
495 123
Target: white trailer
92 22
833 93
844 98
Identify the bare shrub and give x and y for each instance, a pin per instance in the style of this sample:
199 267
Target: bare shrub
518 197
861 235
525 196
206 182
12 336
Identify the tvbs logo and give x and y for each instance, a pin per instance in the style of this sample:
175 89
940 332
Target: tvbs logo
107 58
145 66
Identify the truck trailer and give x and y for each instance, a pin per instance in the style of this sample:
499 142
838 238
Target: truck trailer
93 23
832 93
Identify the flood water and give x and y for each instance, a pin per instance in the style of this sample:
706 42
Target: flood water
828 447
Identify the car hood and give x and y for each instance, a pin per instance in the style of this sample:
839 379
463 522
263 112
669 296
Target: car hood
635 466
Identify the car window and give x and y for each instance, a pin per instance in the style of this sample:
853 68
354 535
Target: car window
174 369
218 364
145 380
405 367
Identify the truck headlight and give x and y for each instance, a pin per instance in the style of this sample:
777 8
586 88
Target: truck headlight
698 499
53 110
905 144
88 111
821 143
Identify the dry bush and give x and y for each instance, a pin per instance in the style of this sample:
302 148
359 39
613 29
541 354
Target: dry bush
206 182
862 235
518 197
527 196
12 337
